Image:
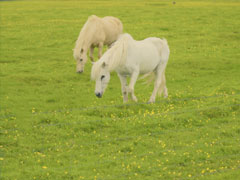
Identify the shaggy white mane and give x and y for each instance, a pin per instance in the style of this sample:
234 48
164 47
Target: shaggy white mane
114 57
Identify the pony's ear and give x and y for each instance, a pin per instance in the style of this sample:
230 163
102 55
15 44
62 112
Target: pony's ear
104 65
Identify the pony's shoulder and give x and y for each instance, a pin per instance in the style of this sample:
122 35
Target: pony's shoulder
125 36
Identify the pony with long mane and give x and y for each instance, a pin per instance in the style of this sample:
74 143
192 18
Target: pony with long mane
96 32
129 57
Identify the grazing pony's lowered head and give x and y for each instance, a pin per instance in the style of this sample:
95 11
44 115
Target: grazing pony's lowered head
111 59
101 75
80 55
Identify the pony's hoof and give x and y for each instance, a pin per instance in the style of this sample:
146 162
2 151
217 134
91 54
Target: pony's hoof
151 101
134 99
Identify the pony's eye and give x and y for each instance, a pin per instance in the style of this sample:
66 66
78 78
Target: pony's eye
81 60
102 77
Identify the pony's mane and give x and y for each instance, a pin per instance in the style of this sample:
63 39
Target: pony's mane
114 57
96 68
85 35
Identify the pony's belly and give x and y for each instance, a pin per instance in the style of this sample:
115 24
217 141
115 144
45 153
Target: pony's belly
147 61
147 67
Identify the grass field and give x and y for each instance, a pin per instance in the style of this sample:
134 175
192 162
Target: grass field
53 127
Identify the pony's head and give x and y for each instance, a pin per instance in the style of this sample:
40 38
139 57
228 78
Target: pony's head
101 75
81 59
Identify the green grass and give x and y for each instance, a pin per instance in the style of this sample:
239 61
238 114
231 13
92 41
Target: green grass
53 127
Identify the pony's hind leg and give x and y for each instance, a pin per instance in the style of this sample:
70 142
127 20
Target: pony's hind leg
163 87
100 48
158 82
123 81
165 92
91 53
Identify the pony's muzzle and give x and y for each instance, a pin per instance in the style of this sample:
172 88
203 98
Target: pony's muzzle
80 71
99 95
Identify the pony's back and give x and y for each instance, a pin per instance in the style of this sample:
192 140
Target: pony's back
112 27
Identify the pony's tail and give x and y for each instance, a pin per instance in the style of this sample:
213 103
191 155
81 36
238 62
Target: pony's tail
165 51
150 78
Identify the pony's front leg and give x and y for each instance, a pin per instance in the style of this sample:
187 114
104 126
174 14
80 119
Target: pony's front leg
100 48
133 80
91 53
123 81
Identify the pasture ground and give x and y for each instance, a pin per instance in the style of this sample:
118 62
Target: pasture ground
53 126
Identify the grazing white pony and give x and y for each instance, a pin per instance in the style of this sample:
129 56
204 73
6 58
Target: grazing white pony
129 57
96 32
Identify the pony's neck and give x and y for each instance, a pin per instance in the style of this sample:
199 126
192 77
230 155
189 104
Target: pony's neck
83 43
107 58
116 56
85 38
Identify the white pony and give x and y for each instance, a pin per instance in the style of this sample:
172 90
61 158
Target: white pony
129 57
96 32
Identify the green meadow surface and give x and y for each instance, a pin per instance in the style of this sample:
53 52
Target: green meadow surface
53 126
